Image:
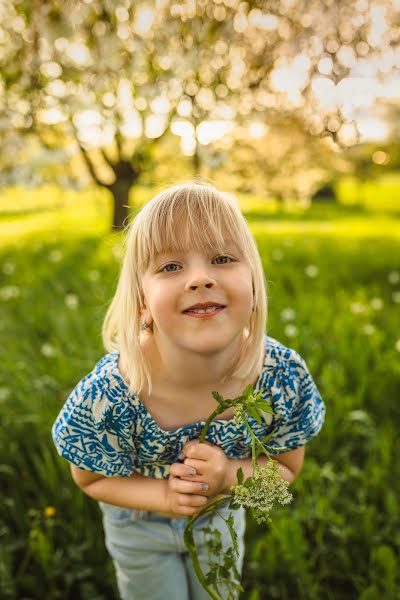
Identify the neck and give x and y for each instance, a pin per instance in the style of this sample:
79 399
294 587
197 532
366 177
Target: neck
189 371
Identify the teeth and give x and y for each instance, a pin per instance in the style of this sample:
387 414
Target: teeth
204 310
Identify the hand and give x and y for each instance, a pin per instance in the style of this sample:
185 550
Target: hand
211 464
183 497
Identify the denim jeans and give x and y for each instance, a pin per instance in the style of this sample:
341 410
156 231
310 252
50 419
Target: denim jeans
150 558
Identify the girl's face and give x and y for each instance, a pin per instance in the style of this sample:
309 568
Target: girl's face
175 281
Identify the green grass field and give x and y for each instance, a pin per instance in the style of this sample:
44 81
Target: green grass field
334 296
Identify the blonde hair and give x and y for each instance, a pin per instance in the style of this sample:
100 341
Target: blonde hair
208 216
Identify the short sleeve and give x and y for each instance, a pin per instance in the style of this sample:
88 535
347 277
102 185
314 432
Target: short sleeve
297 404
94 428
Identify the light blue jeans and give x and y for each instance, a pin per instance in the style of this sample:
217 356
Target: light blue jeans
150 558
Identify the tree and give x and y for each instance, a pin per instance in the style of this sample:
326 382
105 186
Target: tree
113 79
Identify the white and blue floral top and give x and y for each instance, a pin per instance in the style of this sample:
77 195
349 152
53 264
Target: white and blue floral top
105 429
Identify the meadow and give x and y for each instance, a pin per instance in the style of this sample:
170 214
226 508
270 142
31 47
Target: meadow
333 275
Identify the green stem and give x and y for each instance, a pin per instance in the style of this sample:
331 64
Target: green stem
191 546
202 437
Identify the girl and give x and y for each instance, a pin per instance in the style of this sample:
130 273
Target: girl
188 317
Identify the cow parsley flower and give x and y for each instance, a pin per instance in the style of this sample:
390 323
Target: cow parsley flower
262 491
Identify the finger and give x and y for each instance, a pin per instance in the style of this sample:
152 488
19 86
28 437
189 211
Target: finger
182 470
188 487
191 500
194 463
200 451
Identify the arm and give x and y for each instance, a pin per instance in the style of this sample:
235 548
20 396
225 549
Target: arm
137 492
173 497
289 465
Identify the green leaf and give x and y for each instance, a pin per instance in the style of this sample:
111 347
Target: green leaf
240 475
251 410
264 406
218 397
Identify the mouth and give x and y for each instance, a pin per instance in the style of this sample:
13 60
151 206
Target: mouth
204 313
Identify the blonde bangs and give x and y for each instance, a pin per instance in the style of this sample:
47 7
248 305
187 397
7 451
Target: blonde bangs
185 219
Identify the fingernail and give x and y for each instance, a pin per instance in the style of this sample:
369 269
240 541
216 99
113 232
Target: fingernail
181 456
204 486
191 472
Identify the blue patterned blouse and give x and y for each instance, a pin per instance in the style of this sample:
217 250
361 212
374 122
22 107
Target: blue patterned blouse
104 429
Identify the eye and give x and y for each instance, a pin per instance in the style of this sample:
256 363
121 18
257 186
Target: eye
165 270
223 256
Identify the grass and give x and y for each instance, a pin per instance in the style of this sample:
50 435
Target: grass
340 274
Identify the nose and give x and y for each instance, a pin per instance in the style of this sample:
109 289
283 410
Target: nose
198 281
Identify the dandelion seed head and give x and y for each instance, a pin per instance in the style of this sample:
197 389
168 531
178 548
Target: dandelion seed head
396 297
277 254
357 308
8 267
288 314
394 277
311 271
55 256
94 275
376 303
48 350
9 291
369 329
71 301
4 393
291 330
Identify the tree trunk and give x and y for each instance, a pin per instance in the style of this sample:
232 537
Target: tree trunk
120 191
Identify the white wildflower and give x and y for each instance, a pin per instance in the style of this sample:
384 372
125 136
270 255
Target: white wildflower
397 345
48 350
311 270
357 308
288 314
396 297
4 393
94 275
277 254
394 277
291 330
369 329
71 301
9 291
8 267
55 256
376 303
118 251
265 488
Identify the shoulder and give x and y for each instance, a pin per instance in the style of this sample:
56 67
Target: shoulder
94 427
103 383
278 355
